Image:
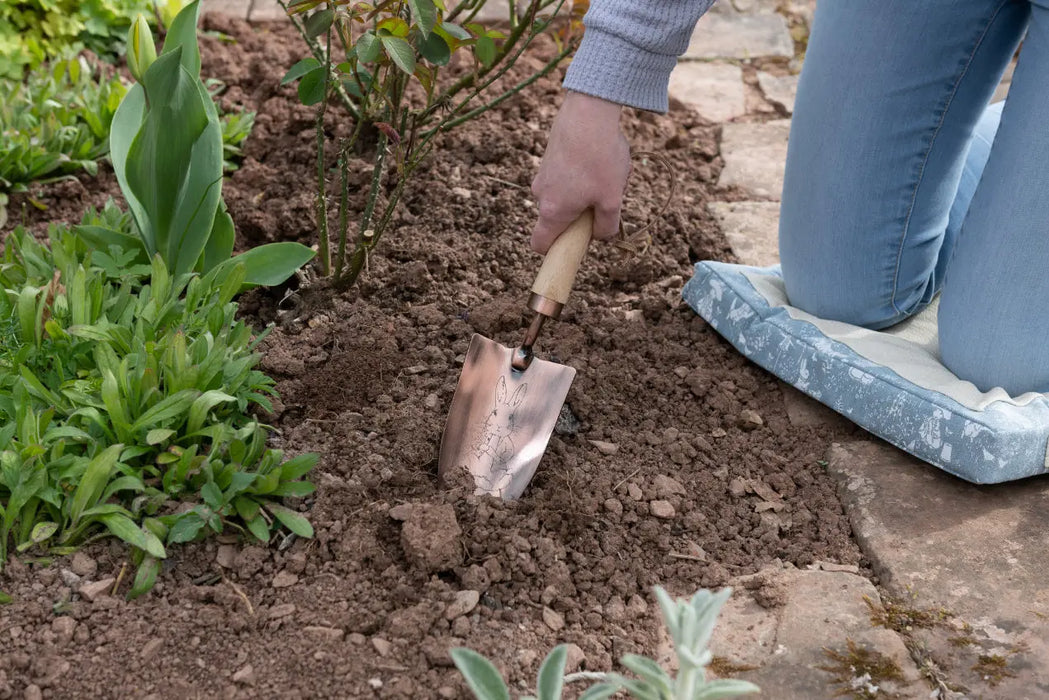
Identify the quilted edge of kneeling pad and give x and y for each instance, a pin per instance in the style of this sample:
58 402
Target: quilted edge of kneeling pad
1001 443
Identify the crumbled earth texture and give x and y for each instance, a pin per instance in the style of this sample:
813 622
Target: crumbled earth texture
674 462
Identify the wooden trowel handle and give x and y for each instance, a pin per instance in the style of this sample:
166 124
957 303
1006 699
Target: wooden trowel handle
557 274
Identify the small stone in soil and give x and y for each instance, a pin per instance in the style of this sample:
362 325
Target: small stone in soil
567 423
245 676
605 448
70 579
226 556
83 565
464 603
575 658
285 579
662 509
150 648
614 506
553 619
718 433
382 646
401 511
750 420
634 491
282 610
737 487
97 589
324 634
665 486
63 627
33 692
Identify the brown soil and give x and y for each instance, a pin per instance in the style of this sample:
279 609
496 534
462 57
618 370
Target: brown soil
366 609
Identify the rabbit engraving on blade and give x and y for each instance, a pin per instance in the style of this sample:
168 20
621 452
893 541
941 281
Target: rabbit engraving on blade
494 443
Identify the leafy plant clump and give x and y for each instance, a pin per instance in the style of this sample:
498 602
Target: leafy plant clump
33 32
126 400
385 64
55 123
690 623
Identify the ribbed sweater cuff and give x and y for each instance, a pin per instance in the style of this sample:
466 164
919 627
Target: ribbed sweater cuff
613 69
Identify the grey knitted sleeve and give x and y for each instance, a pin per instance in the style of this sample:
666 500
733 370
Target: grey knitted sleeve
630 47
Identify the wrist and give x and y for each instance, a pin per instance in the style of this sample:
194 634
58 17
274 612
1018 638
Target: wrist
592 107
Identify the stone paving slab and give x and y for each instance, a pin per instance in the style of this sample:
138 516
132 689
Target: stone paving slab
781 623
751 228
741 36
714 90
977 555
781 90
755 155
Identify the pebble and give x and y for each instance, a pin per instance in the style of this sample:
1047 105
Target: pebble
285 579
245 676
749 419
282 610
401 511
574 658
226 556
662 509
614 506
63 627
634 491
605 448
83 565
97 589
70 579
737 487
382 646
325 634
150 648
356 638
665 486
718 433
553 619
464 603
33 692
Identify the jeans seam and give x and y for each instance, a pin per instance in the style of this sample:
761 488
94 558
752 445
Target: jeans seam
928 153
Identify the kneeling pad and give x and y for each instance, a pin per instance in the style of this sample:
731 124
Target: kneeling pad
889 382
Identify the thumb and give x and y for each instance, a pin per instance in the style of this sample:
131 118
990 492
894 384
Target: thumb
606 222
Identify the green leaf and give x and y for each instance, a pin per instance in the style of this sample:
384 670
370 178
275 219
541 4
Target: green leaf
552 674
271 264
368 47
158 435
185 528
166 409
246 508
480 674
295 489
5 599
649 671
485 51
291 520
400 52
174 164
311 87
319 22
259 528
43 532
145 577
101 238
600 691
220 243
424 14
93 482
298 467
198 411
212 495
300 69
456 31
126 529
435 50
182 34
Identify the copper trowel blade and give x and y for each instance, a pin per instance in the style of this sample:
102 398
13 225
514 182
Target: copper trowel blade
500 419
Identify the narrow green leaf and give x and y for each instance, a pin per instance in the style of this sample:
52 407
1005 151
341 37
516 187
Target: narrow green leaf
212 495
295 489
198 410
601 691
126 529
300 69
725 688
291 520
93 482
552 674
400 52
649 671
145 577
298 467
42 532
480 674
158 435
166 409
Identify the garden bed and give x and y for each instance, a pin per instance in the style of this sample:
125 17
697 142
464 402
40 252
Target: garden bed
675 463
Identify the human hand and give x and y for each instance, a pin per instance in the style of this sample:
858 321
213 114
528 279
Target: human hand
586 164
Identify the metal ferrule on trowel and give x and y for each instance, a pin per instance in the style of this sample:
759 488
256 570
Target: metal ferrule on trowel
507 401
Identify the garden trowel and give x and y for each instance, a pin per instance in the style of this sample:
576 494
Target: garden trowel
507 400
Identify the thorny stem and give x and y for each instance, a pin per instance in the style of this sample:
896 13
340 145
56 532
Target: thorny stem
322 202
364 244
344 225
315 49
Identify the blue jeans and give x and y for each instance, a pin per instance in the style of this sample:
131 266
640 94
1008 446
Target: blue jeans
901 182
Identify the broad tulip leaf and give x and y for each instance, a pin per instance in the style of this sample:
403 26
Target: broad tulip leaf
183 35
220 243
271 264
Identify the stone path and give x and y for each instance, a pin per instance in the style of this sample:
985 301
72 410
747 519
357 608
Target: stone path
961 609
